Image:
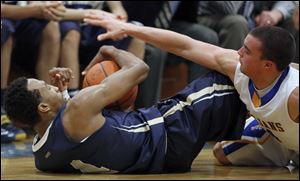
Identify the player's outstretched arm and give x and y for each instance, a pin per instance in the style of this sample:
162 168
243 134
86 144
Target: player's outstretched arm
83 112
208 55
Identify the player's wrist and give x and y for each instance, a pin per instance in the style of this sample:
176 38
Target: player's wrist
137 23
65 95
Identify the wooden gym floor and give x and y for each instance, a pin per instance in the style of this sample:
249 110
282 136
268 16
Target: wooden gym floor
17 164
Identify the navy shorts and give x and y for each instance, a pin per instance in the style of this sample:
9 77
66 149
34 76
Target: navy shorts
27 35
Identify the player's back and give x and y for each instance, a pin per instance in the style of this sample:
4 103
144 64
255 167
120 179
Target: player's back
127 142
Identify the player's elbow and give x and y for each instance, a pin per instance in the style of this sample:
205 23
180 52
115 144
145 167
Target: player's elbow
144 70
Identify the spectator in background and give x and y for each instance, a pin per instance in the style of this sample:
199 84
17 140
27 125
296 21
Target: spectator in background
178 16
185 22
28 38
296 17
79 43
222 17
272 13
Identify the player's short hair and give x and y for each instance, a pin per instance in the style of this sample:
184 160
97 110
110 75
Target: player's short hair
278 45
21 104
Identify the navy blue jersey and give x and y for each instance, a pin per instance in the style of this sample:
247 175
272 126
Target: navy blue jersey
163 138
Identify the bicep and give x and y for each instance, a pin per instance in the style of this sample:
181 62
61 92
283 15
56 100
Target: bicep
293 105
212 57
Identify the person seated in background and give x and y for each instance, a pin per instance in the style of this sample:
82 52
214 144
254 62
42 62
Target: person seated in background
177 16
272 13
78 40
29 39
223 18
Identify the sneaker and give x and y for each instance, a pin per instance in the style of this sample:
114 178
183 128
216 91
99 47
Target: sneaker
6 136
18 133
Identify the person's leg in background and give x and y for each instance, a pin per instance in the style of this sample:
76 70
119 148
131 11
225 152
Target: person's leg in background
7 28
150 89
9 133
6 49
49 49
198 32
69 54
232 31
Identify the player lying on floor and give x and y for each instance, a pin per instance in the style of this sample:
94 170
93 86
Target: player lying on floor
80 135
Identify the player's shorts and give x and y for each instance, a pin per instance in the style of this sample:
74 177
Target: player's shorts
7 28
27 35
258 148
208 109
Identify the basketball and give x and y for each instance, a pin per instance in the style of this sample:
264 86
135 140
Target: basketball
99 72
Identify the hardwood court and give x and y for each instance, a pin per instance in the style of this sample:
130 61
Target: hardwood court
204 167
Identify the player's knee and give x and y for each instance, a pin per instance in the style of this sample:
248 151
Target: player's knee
220 155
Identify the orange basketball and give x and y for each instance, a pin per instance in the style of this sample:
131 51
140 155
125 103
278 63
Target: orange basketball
98 72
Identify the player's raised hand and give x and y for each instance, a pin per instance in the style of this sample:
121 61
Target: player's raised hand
60 77
113 26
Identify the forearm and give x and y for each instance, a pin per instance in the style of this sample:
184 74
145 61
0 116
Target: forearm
78 14
164 39
114 5
117 9
205 54
175 43
20 12
74 14
132 71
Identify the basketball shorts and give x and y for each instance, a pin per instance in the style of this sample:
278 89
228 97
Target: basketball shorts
258 148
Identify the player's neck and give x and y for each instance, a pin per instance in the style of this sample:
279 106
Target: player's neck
264 81
42 126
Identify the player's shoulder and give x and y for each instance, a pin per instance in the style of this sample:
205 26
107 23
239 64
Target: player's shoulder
229 61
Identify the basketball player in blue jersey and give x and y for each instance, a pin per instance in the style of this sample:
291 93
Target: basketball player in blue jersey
261 73
80 135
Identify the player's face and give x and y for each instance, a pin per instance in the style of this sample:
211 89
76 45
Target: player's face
250 56
50 94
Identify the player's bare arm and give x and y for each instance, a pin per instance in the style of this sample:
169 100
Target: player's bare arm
210 56
78 14
83 112
36 10
293 102
293 105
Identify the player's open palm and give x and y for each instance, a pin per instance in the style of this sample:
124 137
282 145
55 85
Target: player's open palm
113 26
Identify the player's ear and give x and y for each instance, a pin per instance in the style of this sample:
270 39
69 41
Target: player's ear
43 107
268 64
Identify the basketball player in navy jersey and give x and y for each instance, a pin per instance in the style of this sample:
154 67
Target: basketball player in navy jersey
261 73
80 135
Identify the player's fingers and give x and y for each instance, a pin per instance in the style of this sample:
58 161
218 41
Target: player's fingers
94 22
93 15
104 36
96 59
